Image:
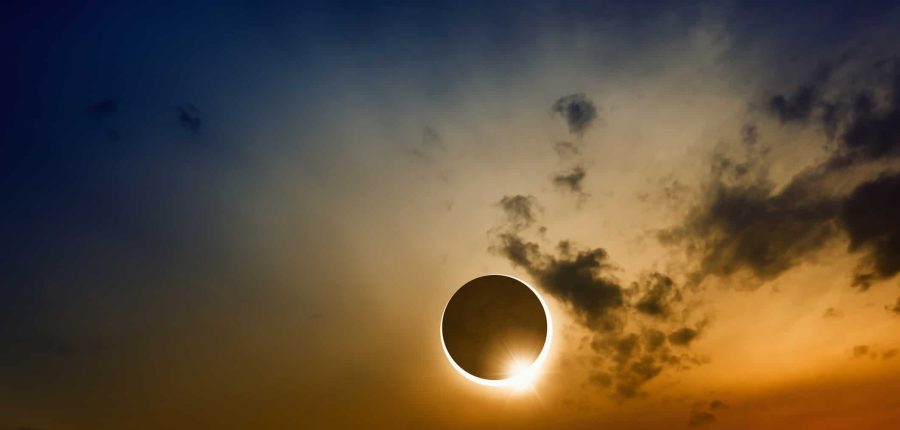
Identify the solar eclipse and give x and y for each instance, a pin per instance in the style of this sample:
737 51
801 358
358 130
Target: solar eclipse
496 331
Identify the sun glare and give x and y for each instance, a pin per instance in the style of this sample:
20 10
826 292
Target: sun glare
522 375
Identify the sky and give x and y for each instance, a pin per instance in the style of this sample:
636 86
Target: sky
252 214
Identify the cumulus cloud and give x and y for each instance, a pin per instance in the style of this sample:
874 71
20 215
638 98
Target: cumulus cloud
578 111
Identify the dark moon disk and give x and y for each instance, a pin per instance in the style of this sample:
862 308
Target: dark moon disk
492 322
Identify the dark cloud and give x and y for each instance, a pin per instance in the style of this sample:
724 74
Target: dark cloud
189 118
582 280
717 404
794 107
632 360
896 308
578 111
871 218
861 351
755 228
683 336
656 293
521 211
701 418
889 354
571 181
744 223
872 132
104 107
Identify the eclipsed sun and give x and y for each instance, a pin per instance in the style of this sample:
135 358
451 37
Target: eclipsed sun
496 331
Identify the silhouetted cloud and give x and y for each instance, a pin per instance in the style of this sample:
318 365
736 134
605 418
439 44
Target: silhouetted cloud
794 107
577 279
683 336
571 180
582 280
189 118
753 227
578 111
701 418
655 295
871 218
521 211
896 308
872 132
861 351
746 223
717 404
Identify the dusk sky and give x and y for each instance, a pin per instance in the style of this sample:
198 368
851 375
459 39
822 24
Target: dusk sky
252 214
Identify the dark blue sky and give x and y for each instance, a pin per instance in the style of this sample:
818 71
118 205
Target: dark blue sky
131 131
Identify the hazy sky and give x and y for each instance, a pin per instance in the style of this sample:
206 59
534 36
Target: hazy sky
252 215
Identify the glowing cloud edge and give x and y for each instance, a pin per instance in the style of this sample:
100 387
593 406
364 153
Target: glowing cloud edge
514 380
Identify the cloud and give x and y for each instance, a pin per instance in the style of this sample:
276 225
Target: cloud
755 228
861 351
578 111
871 218
896 308
521 211
683 336
656 293
579 279
189 118
795 107
571 180
717 404
745 223
632 360
701 418
626 356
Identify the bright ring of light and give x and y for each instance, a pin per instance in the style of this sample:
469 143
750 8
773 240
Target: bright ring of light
519 377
